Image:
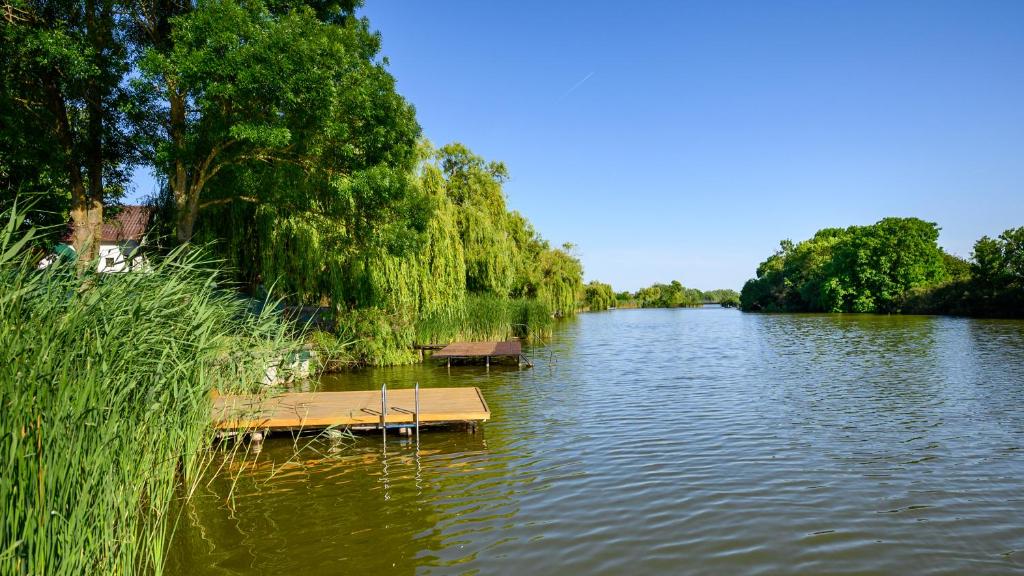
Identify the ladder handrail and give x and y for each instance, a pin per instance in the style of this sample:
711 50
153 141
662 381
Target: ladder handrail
384 411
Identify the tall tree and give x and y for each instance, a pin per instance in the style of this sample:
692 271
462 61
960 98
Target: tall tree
474 185
243 87
63 126
858 269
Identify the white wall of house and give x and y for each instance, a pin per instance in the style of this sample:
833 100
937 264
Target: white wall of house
112 260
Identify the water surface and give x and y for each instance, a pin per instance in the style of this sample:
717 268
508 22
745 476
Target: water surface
691 441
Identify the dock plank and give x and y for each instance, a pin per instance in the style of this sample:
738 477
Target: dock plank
311 410
480 349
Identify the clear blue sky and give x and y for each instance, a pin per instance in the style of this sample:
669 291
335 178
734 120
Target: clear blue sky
683 140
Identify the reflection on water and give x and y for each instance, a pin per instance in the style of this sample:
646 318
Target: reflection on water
663 441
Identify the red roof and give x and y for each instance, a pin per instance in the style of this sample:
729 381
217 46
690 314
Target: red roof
130 223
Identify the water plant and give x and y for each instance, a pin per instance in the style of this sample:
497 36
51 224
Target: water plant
488 317
105 387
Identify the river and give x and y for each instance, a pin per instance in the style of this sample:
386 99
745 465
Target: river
684 441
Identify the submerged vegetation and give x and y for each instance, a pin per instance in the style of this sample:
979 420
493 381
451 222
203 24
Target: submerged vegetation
105 383
892 266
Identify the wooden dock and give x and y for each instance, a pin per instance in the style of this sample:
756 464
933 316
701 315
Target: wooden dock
483 350
358 410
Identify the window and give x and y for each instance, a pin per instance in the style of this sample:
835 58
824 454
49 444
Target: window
109 262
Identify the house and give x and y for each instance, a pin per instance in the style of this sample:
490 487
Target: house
119 242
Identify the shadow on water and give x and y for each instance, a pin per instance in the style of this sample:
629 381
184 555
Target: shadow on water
699 441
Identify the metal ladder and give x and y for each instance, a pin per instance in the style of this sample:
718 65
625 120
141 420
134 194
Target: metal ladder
384 413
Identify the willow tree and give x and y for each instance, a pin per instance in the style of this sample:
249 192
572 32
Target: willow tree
528 247
442 264
504 254
561 283
598 296
474 186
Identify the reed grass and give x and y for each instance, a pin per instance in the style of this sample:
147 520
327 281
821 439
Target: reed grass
487 317
105 386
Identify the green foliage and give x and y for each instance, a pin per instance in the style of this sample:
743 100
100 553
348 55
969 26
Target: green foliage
894 265
373 336
999 263
996 287
877 265
598 296
288 106
477 272
493 318
474 188
730 301
67 131
857 269
625 299
957 269
283 143
671 295
442 270
377 336
333 353
105 384
504 254
561 280
722 296
674 295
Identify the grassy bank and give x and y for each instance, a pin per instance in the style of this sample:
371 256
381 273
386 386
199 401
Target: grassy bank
105 385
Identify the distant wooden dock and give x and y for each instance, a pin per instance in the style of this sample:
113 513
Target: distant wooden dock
357 410
484 350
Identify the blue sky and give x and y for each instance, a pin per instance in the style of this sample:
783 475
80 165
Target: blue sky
683 140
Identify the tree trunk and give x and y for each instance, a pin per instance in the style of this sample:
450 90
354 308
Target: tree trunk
184 213
94 97
84 233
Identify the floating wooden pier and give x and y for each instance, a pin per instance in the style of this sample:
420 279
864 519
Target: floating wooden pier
372 409
484 350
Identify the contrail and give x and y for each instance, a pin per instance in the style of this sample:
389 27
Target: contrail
576 85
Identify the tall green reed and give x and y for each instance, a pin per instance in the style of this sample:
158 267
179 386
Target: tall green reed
105 386
488 317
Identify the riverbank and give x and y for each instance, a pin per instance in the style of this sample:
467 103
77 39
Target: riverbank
105 382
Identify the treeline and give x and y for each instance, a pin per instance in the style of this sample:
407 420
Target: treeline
281 143
892 266
675 295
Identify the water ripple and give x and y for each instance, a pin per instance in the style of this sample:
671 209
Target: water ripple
664 441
